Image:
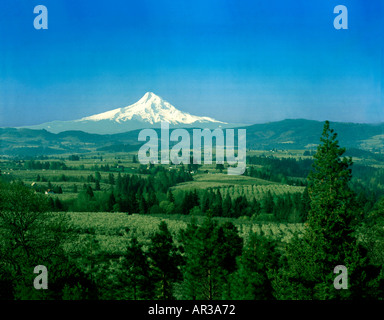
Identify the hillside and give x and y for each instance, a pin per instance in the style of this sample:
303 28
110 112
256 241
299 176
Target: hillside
286 134
305 134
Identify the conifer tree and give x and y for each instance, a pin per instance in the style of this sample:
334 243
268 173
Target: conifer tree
217 207
111 179
165 260
255 206
135 277
304 205
89 192
329 239
111 201
268 203
210 253
171 197
227 206
251 280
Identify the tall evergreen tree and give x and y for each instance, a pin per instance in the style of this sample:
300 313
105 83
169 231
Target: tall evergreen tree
170 196
227 206
89 192
164 261
111 201
135 277
304 205
210 253
255 206
251 280
372 232
217 207
111 179
268 203
97 185
329 239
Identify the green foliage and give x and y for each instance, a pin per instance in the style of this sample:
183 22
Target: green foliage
329 239
102 260
279 170
164 262
251 281
210 253
32 236
372 234
135 279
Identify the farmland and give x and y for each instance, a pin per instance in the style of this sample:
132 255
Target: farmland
112 231
211 222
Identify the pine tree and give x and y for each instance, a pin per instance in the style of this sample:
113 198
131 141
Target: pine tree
191 269
195 198
227 206
205 201
210 253
186 203
256 207
228 246
164 261
304 205
373 239
135 278
89 192
332 201
268 203
143 205
217 207
329 239
171 197
251 280
111 202
111 179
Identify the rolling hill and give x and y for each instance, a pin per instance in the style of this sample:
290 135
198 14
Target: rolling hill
286 134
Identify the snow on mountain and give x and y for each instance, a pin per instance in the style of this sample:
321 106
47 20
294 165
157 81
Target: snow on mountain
152 109
148 112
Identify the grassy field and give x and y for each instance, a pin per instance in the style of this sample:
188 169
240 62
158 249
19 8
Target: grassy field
216 180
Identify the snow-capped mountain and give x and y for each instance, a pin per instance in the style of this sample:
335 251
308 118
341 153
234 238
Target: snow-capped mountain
148 112
152 109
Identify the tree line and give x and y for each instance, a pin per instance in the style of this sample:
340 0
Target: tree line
153 194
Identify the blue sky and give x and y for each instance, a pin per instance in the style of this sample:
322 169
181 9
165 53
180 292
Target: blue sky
237 61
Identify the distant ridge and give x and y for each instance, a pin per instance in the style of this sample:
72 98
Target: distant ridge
305 134
287 134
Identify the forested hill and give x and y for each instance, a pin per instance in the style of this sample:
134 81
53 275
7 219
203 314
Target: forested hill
304 134
286 134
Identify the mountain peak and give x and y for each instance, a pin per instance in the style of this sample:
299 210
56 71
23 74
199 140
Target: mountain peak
150 101
149 111
149 96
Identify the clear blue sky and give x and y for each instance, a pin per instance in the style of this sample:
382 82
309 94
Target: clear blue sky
238 61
